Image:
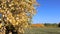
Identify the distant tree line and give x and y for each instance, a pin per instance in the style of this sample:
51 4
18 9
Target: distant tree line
52 25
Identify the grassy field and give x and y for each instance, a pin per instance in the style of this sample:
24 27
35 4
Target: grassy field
43 31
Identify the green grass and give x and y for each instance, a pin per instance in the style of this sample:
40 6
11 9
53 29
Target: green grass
42 31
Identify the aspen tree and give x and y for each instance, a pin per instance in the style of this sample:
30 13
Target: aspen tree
18 12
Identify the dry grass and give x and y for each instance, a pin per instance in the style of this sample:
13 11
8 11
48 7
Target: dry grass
43 31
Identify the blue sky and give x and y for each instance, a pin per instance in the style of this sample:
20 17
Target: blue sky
47 12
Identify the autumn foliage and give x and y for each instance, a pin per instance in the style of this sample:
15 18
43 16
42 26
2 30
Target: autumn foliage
18 12
38 25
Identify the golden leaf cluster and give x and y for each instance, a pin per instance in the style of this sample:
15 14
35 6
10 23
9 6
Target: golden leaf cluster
18 12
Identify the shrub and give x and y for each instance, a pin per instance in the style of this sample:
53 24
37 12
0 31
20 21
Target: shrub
59 25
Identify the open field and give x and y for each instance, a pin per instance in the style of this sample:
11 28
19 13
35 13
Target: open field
43 31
